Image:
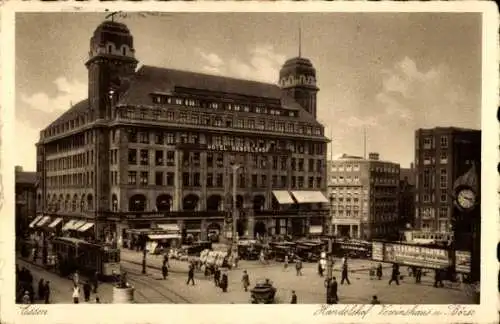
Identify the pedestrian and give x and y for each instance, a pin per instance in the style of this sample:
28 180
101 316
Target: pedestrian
320 268
298 267
224 282
245 280
438 279
46 292
294 298
76 278
217 276
41 287
45 253
418 275
95 281
285 265
345 274
190 275
394 274
97 300
76 294
379 271
26 297
165 258
375 300
164 271
86 291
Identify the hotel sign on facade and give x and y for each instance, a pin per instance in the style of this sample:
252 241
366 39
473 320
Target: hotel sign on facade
233 148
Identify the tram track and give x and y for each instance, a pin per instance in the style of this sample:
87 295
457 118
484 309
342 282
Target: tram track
153 293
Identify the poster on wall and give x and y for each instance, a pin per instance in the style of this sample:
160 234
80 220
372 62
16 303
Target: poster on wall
416 256
463 261
378 251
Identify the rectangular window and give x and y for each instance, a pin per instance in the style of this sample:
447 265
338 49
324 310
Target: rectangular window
443 212
444 141
170 178
144 157
310 182
144 137
159 178
254 181
301 182
144 178
275 162
159 157
170 158
170 138
294 182
132 156
427 143
196 179
220 180
301 164
196 159
210 180
443 179
241 180
185 179
444 197
132 177
294 166
132 136
159 138
219 160
274 181
319 180
426 178
210 160
443 157
263 180
311 165
283 182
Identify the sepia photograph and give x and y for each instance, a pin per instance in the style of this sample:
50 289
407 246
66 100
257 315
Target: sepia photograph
313 158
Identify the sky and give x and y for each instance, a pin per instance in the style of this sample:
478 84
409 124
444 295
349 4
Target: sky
386 73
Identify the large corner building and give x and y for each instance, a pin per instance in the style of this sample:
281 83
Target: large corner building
153 146
363 196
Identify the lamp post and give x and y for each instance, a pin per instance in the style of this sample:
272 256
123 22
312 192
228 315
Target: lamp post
234 250
329 255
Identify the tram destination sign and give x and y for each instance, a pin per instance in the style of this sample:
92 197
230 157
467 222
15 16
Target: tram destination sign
411 255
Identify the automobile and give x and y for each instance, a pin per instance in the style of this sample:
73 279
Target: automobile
263 293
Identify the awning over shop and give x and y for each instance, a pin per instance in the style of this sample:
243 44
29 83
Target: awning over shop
85 227
163 236
55 222
304 197
77 225
283 197
36 220
69 225
193 230
315 229
44 221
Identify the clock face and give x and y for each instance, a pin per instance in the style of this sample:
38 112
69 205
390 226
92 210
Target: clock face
466 198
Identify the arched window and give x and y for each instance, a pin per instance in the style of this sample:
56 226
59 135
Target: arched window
114 203
67 202
39 200
73 203
190 202
137 203
258 202
163 203
214 203
82 203
90 202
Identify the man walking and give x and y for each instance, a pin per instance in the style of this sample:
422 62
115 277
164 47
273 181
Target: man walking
217 276
164 271
190 274
46 292
86 291
285 264
76 294
298 267
375 300
395 274
345 273
245 280
294 298
95 281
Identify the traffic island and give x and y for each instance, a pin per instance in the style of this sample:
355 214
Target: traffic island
123 292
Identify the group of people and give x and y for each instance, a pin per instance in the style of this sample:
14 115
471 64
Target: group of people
25 290
88 286
298 265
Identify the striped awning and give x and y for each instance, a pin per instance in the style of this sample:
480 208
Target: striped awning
55 222
85 227
43 221
283 197
36 220
304 197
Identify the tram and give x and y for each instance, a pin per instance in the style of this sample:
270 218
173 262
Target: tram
73 254
427 238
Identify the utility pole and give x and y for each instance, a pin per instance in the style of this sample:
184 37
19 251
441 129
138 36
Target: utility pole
329 256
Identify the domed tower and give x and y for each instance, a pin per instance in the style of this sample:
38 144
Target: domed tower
298 80
111 59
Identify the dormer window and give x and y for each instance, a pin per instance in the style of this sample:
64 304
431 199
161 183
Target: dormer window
237 107
214 105
157 99
178 101
291 113
246 108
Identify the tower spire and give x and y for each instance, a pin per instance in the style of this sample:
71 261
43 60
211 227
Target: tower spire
300 40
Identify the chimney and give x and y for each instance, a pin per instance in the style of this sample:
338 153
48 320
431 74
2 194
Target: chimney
373 156
19 168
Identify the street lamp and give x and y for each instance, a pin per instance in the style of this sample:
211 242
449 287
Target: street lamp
329 256
234 250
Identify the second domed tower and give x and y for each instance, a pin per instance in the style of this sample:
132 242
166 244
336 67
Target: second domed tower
298 80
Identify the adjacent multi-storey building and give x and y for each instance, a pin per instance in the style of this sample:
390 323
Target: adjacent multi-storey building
161 145
407 197
442 155
25 199
363 196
